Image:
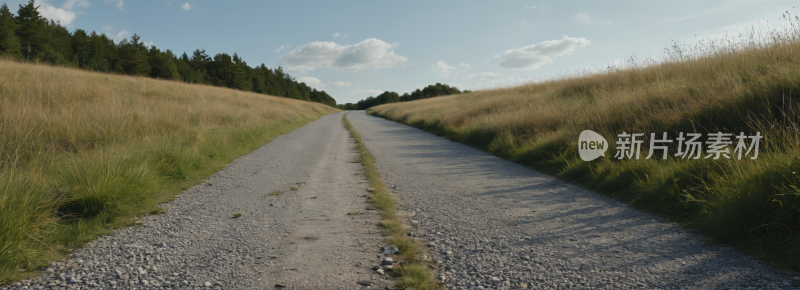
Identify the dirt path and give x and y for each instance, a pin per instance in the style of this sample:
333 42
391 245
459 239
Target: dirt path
301 239
496 224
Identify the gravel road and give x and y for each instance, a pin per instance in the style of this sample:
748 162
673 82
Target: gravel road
495 224
301 239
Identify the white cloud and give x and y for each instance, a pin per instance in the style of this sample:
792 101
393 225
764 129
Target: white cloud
408 66
465 65
317 84
530 7
340 84
584 17
122 35
58 14
336 35
441 67
108 28
374 92
71 4
483 76
311 81
119 4
282 47
346 36
533 56
368 54
186 6
148 44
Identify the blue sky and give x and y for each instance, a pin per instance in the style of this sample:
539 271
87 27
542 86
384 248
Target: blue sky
358 49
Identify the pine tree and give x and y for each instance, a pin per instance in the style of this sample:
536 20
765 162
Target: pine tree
9 42
134 56
31 30
60 43
162 66
239 79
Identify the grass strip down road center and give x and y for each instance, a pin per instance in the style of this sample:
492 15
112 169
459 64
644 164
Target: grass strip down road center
411 271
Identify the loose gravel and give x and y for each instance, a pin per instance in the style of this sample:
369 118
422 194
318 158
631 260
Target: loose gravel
493 224
301 239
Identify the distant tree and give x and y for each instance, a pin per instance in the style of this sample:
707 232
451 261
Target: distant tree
31 30
80 45
220 69
391 97
405 97
387 97
161 65
199 59
240 79
198 68
9 42
322 97
30 36
438 90
134 56
258 79
367 103
59 50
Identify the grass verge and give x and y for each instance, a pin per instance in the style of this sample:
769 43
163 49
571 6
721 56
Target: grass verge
748 83
82 152
411 271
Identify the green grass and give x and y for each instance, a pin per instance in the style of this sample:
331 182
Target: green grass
411 271
292 188
750 83
275 193
83 151
237 215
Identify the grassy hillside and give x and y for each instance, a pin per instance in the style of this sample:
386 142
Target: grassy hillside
749 83
82 151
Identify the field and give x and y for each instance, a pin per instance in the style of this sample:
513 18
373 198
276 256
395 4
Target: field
746 83
81 152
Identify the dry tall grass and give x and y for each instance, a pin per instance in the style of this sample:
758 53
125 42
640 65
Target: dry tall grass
748 83
80 151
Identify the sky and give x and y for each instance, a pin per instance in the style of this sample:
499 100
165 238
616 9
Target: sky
357 49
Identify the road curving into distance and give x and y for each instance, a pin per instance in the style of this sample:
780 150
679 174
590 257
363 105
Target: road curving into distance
495 224
300 239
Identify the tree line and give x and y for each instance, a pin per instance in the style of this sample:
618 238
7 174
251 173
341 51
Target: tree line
392 97
29 36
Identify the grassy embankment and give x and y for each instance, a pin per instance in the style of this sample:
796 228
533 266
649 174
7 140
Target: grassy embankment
81 152
412 272
750 84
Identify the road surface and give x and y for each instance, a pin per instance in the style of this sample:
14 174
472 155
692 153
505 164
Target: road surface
489 224
495 223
